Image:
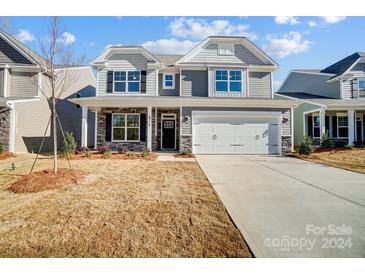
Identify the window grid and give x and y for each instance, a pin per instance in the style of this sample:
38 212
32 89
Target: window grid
127 81
125 126
228 81
342 127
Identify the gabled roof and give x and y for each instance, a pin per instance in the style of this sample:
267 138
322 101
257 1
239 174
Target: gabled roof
342 66
102 58
23 49
168 59
234 39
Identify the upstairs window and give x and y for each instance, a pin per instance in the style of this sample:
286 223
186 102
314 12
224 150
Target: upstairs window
169 81
225 49
127 81
361 87
228 80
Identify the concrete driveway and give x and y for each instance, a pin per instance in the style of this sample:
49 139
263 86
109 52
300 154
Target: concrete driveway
287 207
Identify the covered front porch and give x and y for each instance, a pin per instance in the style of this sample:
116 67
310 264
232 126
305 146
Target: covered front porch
343 126
134 128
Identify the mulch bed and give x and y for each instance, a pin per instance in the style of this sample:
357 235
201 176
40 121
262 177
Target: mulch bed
46 180
6 155
179 155
114 156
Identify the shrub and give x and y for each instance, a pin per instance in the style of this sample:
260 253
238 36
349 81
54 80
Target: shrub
185 152
107 154
1 148
348 146
80 150
129 154
326 142
69 144
307 146
103 149
87 154
146 152
123 150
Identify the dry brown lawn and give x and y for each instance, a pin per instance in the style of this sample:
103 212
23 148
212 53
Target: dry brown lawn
120 209
349 159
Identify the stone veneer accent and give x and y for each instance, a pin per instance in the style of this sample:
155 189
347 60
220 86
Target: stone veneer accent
133 146
4 127
285 144
186 143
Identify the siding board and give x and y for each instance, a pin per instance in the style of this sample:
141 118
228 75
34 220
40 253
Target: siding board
260 84
23 85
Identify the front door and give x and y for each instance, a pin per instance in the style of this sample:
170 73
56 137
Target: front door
168 134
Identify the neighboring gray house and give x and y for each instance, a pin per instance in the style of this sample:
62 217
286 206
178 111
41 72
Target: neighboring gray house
333 100
216 99
24 109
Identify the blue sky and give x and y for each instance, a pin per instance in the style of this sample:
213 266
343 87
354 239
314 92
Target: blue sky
293 42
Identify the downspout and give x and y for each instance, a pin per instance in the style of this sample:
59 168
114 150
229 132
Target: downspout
11 106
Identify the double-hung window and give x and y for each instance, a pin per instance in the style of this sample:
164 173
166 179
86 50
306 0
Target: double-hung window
361 87
127 81
125 127
316 127
228 80
342 127
169 81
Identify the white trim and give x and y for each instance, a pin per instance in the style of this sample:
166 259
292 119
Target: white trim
6 75
156 131
39 84
358 86
272 84
149 128
180 124
161 127
337 126
313 72
292 128
351 126
97 82
344 73
305 121
127 81
96 129
298 99
125 128
180 81
247 91
164 80
84 126
157 82
12 127
314 116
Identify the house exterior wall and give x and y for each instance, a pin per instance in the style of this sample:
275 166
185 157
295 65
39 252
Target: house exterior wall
4 127
101 130
209 54
168 92
23 84
156 139
259 84
127 62
194 83
1 82
9 55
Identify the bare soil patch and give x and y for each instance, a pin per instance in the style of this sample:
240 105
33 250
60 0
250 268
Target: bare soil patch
129 209
6 155
349 159
46 180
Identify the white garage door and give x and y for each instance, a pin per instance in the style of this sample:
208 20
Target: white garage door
235 133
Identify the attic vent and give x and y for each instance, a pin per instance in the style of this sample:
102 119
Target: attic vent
225 49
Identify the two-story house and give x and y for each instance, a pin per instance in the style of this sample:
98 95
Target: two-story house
333 100
218 98
24 94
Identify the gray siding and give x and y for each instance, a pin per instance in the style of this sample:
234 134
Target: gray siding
187 112
359 67
23 84
1 82
349 89
127 62
259 84
9 55
209 54
169 92
312 84
194 83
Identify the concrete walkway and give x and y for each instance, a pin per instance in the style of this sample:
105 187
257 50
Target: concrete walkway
287 207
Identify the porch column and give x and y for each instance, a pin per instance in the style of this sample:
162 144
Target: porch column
84 126
351 126
322 122
149 127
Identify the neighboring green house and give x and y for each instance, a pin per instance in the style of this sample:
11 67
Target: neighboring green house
333 100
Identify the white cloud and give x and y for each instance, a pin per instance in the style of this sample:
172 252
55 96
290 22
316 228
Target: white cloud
171 46
24 35
198 29
333 19
312 24
289 44
68 38
284 20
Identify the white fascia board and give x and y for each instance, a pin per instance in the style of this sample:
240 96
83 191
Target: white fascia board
163 101
298 99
